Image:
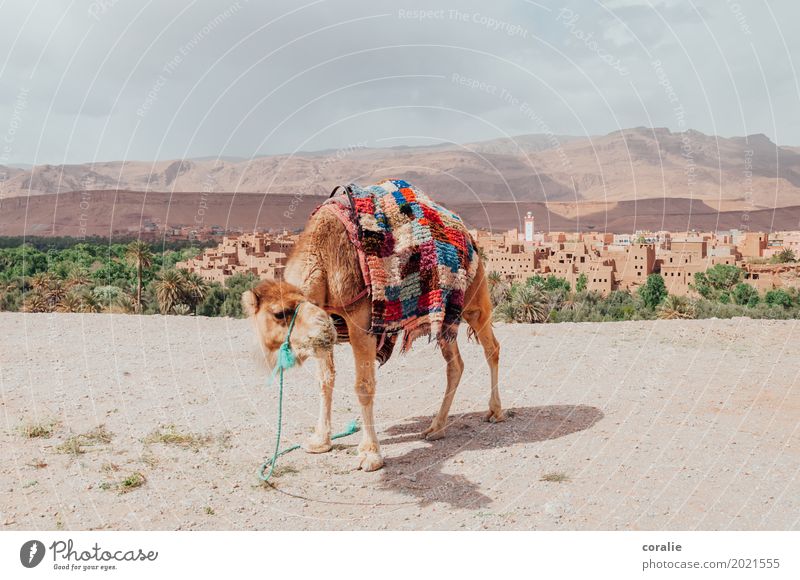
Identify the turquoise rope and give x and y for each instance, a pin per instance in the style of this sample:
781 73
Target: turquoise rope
286 360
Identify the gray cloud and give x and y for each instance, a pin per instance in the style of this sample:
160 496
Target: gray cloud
123 80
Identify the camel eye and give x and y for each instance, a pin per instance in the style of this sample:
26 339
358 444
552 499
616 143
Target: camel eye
283 315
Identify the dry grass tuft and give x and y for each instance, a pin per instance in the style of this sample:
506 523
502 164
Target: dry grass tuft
149 459
129 483
98 435
74 445
38 430
555 477
109 467
169 435
287 469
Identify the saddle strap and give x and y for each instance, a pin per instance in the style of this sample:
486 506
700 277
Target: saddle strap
348 190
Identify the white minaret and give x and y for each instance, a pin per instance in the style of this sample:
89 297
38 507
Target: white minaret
529 227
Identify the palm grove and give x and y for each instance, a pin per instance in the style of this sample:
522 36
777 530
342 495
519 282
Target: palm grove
721 293
120 278
134 278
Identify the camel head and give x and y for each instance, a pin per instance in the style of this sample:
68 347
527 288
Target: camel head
272 304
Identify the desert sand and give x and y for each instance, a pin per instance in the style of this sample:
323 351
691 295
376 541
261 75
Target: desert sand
640 425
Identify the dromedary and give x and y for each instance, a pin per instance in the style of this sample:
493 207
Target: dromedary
323 277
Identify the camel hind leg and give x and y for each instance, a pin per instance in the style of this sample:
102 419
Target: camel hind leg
478 314
455 367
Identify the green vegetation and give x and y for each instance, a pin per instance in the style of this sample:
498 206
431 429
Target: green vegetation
718 282
112 277
131 482
723 294
653 292
783 257
67 275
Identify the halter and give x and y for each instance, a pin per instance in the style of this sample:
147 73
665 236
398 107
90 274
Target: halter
286 358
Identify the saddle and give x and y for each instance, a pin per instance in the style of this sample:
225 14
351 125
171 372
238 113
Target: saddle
417 259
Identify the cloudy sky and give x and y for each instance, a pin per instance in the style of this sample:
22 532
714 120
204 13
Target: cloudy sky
88 81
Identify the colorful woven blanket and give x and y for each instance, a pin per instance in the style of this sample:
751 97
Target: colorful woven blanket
417 259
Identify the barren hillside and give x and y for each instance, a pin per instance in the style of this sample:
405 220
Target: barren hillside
101 213
743 173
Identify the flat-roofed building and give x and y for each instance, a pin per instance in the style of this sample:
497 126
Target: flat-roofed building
262 255
512 263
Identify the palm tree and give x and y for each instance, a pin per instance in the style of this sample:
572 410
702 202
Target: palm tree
41 281
170 288
35 302
196 289
56 292
90 303
498 290
505 312
676 307
78 277
71 302
8 287
122 304
530 304
140 255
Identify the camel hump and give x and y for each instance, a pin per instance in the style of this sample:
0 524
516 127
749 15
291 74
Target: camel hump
417 257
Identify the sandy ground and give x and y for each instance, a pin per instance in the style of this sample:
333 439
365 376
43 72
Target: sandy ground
654 425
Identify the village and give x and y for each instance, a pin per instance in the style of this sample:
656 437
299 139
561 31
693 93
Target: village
605 262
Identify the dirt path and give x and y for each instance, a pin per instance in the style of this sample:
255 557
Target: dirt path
650 425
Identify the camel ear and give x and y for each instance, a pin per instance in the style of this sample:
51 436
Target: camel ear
250 302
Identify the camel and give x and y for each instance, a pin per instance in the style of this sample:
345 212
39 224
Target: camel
323 277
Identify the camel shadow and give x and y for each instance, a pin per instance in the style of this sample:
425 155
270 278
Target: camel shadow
419 472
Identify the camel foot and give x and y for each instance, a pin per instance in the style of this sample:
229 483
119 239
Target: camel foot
433 433
495 416
370 461
317 444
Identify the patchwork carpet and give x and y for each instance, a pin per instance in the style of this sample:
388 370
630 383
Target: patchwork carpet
416 256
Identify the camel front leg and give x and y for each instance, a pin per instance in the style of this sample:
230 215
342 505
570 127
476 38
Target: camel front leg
320 441
369 458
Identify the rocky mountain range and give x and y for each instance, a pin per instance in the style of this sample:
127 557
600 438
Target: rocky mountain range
725 173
